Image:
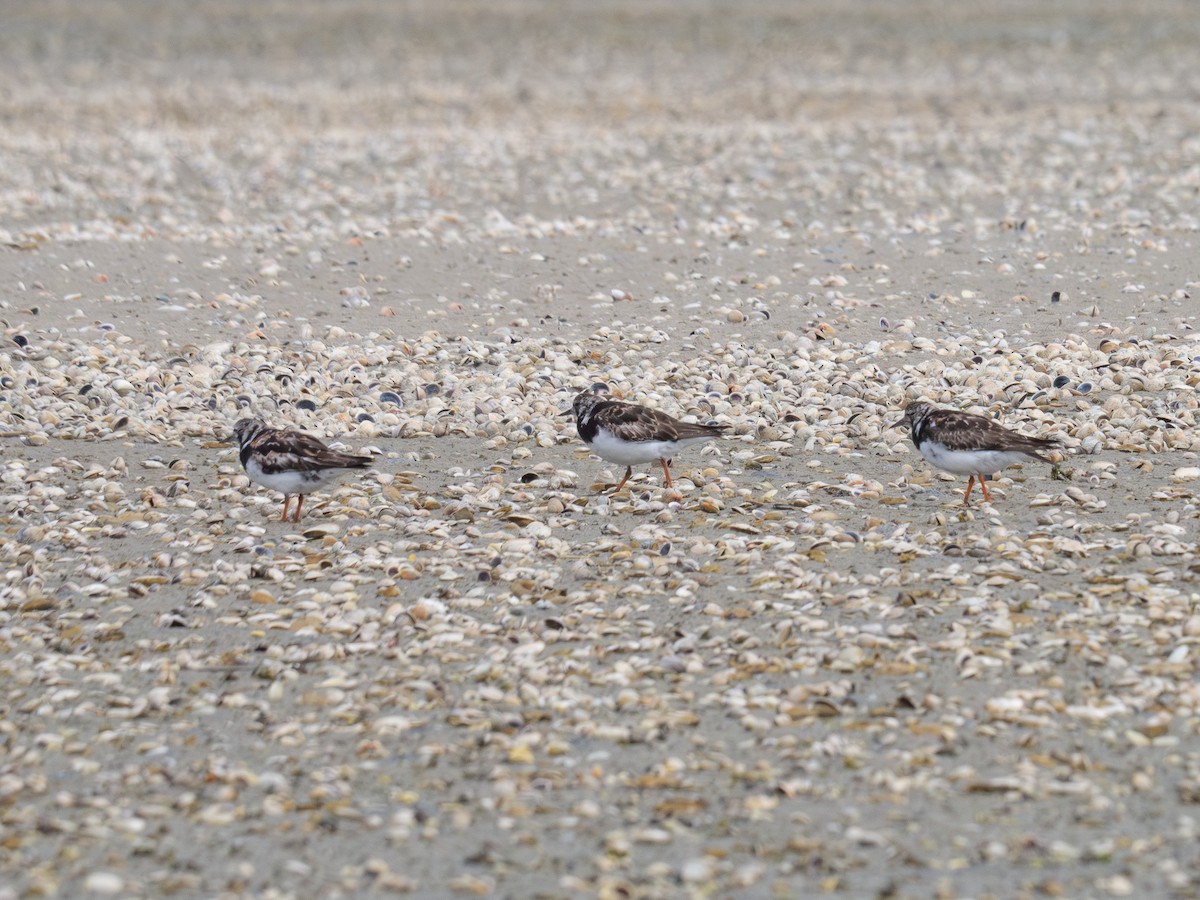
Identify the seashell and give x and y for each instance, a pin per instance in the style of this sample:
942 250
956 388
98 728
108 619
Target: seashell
320 531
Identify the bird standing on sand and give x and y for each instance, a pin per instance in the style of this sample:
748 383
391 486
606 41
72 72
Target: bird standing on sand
290 462
630 435
966 444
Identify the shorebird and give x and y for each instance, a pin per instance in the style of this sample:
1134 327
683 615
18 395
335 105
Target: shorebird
966 444
630 435
290 462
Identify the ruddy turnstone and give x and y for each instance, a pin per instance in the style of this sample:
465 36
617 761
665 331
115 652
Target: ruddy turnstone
629 435
290 462
967 444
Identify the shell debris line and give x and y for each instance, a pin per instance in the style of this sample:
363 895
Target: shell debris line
804 669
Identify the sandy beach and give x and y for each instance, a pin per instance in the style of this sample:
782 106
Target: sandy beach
418 230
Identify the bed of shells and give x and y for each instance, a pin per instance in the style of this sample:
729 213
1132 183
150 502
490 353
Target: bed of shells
806 669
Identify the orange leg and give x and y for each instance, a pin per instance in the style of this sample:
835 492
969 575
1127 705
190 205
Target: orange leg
983 487
299 505
666 472
628 472
286 498
967 495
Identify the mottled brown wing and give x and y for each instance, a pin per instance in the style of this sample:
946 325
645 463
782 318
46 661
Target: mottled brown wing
966 431
687 430
291 451
636 423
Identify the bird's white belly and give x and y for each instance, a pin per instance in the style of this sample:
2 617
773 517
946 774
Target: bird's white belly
632 453
970 462
291 482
